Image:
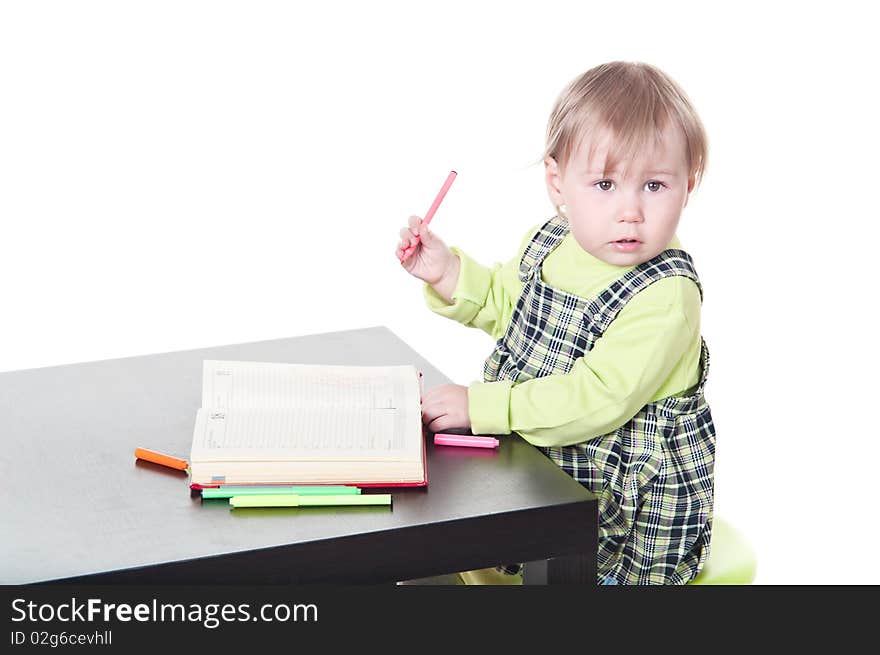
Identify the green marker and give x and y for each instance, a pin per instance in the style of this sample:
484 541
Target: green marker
293 500
317 490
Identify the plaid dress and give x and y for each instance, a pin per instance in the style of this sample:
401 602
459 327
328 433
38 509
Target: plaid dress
654 475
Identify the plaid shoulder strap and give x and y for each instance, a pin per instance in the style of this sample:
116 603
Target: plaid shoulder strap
605 307
546 239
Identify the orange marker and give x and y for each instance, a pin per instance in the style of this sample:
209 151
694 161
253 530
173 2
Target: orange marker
159 458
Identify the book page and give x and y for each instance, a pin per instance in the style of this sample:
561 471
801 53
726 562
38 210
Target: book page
304 434
301 412
232 384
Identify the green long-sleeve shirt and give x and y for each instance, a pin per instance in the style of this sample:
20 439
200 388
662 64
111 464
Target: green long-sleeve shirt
649 352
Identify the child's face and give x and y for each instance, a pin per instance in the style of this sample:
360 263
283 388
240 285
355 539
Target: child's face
623 220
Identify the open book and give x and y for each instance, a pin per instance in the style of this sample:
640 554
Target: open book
267 423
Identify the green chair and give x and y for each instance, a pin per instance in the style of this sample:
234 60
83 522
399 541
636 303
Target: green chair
731 562
731 558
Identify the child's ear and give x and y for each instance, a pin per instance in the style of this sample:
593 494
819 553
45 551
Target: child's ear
691 181
553 178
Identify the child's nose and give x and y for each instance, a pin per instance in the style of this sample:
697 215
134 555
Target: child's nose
632 216
630 208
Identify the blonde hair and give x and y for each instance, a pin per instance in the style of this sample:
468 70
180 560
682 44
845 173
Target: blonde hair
632 100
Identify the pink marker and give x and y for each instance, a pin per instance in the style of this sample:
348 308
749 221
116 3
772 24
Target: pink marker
430 214
465 440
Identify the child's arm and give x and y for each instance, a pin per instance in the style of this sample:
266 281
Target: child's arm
483 298
646 351
472 294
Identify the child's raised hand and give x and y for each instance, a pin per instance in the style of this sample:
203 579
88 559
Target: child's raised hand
430 258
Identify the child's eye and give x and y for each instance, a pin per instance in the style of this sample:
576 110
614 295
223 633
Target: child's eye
654 186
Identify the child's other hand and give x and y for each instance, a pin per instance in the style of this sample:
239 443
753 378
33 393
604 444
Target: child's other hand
430 259
446 407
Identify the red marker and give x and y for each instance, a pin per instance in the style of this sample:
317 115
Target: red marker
430 214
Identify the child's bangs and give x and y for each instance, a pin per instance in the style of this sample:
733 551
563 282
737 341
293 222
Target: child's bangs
614 144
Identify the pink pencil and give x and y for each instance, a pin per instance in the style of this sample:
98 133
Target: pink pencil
430 214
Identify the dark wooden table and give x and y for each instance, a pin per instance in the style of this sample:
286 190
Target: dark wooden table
77 506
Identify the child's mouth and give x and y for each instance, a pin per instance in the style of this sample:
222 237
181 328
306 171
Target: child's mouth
626 245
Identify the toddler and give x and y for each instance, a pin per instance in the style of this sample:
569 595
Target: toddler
598 359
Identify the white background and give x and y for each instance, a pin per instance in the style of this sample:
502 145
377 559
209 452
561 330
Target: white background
178 175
